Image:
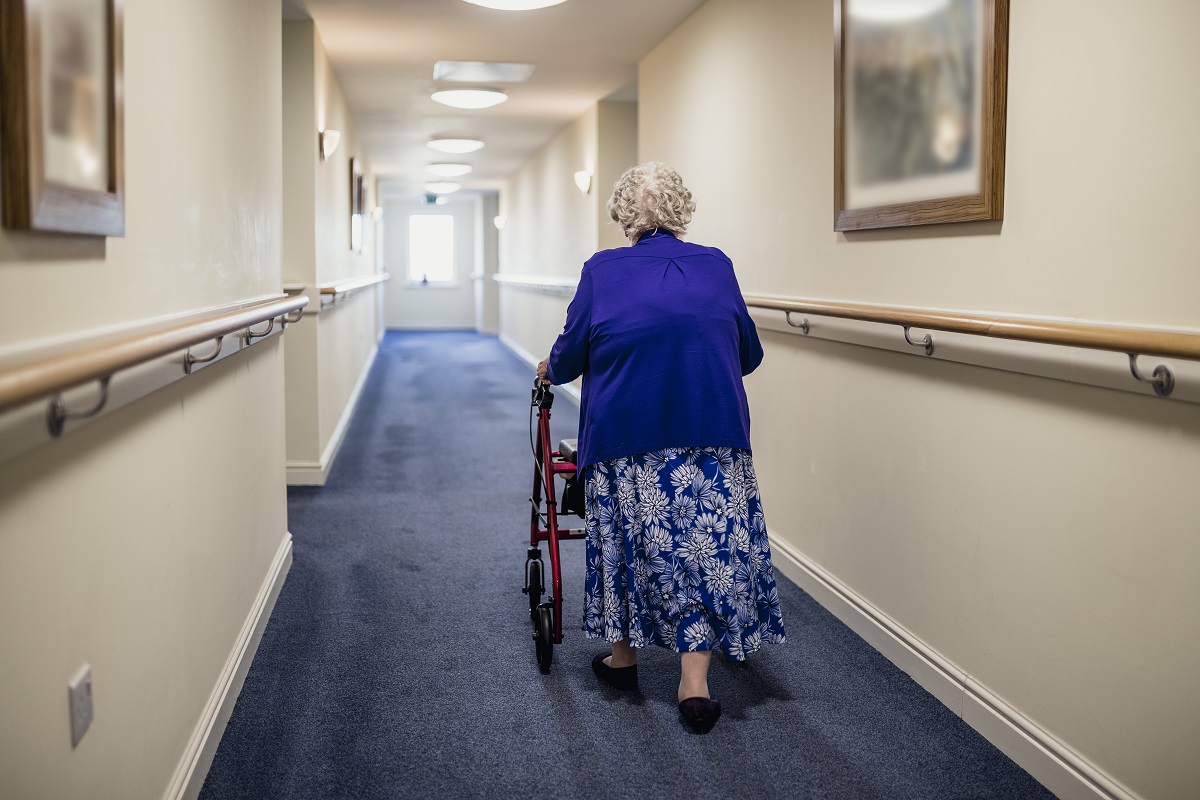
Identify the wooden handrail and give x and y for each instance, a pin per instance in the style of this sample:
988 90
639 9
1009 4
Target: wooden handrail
37 378
341 287
1140 341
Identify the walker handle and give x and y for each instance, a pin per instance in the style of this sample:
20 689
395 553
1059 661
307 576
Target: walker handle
542 396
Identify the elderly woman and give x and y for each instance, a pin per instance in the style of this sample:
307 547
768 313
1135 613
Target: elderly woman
677 552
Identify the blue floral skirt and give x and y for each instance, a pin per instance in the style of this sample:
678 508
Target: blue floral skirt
677 553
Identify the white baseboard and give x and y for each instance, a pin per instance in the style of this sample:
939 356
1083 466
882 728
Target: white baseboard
305 473
532 360
197 758
1060 769
314 473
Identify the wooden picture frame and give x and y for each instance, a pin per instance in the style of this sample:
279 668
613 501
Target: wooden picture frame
358 192
62 116
919 140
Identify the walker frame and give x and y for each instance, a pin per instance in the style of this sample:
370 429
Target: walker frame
544 527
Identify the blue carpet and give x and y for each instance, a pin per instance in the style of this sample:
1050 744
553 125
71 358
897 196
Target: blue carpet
398 662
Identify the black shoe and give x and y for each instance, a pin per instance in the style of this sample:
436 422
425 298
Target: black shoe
700 713
624 678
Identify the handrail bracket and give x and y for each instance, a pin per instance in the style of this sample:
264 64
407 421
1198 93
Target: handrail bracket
190 360
57 413
1161 378
926 343
803 324
251 335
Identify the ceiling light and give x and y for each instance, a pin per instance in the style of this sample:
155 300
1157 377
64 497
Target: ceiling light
449 170
469 98
443 187
515 5
456 146
893 11
481 72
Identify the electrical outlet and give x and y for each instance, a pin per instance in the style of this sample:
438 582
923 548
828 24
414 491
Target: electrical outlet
80 694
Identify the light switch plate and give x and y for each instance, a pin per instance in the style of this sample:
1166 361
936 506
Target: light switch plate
80 693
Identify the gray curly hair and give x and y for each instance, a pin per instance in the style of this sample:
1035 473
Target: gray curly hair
648 196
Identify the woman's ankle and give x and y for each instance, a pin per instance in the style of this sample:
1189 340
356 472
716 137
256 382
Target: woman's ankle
622 655
693 674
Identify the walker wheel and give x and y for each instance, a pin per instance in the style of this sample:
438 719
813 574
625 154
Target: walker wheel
543 636
534 588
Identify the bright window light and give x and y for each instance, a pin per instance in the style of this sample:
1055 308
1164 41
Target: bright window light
431 248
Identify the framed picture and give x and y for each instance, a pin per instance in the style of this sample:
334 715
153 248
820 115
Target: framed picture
358 202
919 111
61 122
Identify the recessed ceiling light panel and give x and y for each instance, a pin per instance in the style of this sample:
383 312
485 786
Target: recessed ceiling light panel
472 98
456 146
481 72
894 11
449 170
515 5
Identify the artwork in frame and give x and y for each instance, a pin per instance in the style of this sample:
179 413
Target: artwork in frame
920 91
358 202
62 116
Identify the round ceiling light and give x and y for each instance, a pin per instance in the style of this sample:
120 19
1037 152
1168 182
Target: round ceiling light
469 98
456 146
443 187
515 5
449 170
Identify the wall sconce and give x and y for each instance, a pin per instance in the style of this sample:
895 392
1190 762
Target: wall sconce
583 179
328 141
377 213
499 222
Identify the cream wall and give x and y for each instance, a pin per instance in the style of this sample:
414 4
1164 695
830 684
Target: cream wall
1038 535
551 228
327 362
487 262
616 126
140 544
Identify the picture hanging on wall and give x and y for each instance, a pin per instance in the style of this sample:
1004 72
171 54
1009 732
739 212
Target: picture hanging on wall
61 122
919 111
358 198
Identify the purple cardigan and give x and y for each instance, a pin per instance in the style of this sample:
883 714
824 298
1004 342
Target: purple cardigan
661 335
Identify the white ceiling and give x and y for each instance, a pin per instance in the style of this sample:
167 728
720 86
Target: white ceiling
383 52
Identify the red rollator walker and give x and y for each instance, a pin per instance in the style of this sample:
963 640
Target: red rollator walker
543 526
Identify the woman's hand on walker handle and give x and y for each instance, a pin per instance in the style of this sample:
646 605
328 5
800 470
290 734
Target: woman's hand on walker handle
542 371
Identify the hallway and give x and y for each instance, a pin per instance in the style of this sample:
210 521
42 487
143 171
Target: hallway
398 662
275 274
